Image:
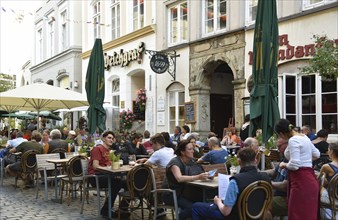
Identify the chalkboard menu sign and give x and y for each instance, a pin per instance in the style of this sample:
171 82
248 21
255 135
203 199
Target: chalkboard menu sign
139 115
189 109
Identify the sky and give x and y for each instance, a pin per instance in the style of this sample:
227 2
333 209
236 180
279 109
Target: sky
16 35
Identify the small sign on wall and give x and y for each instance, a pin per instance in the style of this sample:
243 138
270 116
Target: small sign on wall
160 104
121 104
189 109
160 118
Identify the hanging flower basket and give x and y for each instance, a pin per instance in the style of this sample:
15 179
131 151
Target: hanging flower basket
141 99
126 119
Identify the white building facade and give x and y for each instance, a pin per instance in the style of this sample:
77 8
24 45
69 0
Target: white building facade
212 40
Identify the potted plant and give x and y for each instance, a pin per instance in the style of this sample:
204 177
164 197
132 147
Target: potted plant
234 165
115 160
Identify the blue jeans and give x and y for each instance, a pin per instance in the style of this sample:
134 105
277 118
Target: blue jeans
184 204
201 211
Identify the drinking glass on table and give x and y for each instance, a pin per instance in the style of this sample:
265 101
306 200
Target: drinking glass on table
132 160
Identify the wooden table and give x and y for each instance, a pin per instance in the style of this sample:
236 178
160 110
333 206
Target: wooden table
123 170
57 162
205 185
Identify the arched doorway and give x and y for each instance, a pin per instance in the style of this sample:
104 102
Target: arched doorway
221 98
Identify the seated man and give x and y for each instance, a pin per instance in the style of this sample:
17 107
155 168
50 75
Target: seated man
57 142
11 144
279 183
135 147
161 156
15 169
216 155
99 157
228 209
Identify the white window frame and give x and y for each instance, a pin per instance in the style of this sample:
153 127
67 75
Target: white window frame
139 16
116 92
39 45
318 99
248 12
97 19
115 20
308 5
180 24
215 17
64 30
50 38
178 121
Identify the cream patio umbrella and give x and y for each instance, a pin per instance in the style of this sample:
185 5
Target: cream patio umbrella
40 97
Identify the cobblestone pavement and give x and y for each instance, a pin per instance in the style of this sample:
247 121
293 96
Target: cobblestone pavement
19 203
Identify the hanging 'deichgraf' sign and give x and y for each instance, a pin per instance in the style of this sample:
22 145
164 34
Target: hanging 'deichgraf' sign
159 63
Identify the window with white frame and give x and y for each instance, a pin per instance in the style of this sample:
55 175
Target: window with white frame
308 4
178 23
64 31
39 48
116 92
64 82
214 16
176 105
310 100
50 45
97 19
251 11
138 14
115 16
116 103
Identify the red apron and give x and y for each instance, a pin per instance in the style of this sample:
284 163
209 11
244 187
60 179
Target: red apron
303 194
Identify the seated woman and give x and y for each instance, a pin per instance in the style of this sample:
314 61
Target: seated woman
198 151
230 138
320 142
216 155
329 170
177 177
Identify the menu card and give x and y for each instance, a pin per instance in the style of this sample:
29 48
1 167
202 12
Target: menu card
223 183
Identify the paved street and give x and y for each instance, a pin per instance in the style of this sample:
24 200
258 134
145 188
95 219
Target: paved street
21 204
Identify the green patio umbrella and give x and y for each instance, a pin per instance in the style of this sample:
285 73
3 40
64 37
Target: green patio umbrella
22 116
264 110
95 86
46 114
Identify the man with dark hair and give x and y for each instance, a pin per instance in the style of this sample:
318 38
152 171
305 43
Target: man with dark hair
99 158
135 147
228 209
185 132
162 154
167 142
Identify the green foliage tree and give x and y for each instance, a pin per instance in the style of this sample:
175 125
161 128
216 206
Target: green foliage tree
7 82
325 59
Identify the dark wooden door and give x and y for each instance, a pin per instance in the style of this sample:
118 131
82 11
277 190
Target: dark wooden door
220 111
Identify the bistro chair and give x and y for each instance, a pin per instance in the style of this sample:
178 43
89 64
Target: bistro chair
28 165
332 190
44 171
139 182
255 200
158 176
74 176
87 187
61 151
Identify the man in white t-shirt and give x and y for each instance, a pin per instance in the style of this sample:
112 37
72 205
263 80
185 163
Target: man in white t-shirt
161 156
